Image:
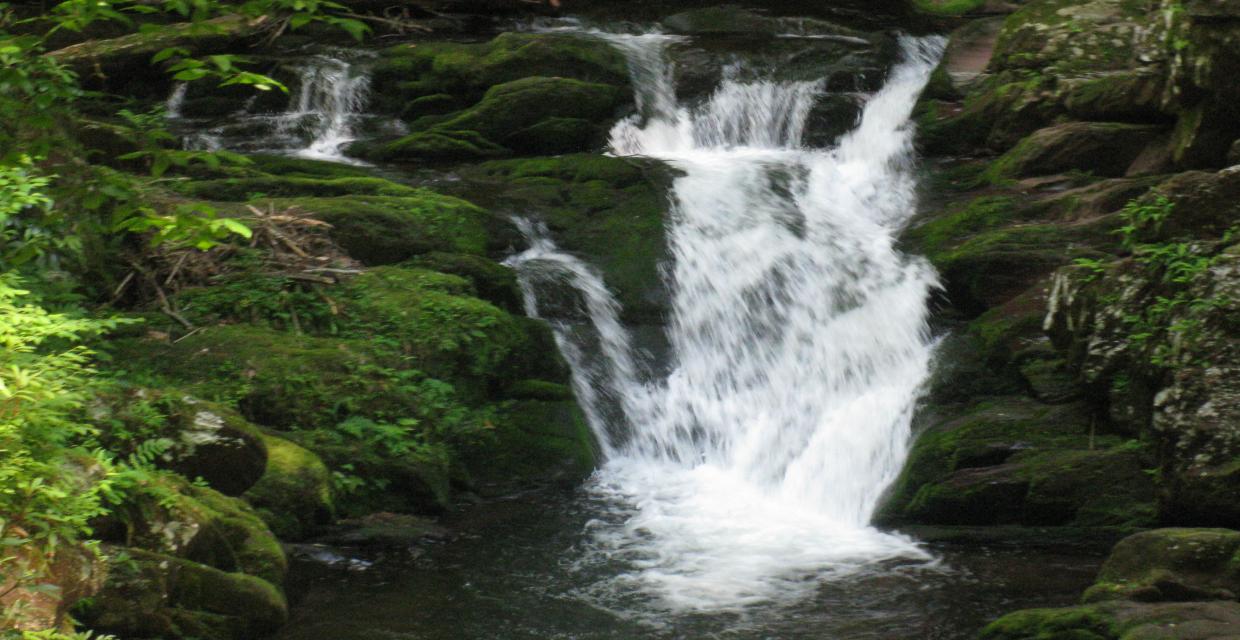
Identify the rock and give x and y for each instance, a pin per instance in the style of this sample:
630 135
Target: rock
610 209
537 440
151 595
1120 621
242 189
732 20
1233 153
1104 149
172 517
523 116
1171 565
205 440
295 495
1166 353
1014 461
493 282
466 71
383 531
380 230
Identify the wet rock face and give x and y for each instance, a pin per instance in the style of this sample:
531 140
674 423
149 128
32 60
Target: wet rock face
1163 354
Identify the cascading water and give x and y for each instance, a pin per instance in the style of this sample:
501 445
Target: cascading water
329 98
326 104
798 337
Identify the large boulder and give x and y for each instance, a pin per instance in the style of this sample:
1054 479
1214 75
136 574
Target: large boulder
203 439
530 115
1101 148
295 494
610 209
1172 565
1120 621
173 517
153 595
1011 460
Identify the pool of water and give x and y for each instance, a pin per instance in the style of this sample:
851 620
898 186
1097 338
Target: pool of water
528 568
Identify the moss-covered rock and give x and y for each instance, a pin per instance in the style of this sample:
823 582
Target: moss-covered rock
1171 564
294 495
1014 461
492 281
152 595
241 189
425 70
609 209
174 517
530 115
379 230
1120 621
538 438
204 440
1101 148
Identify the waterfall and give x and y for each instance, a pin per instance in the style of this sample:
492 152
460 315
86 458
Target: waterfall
798 334
329 97
325 105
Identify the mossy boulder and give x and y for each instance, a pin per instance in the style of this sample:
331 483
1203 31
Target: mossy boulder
734 20
241 189
540 437
378 230
174 517
204 439
295 494
609 209
530 115
153 595
421 71
1172 565
1101 148
491 281
1015 461
1120 621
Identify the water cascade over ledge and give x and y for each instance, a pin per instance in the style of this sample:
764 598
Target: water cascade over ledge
798 343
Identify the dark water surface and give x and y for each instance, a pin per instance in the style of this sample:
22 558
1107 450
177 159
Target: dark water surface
511 574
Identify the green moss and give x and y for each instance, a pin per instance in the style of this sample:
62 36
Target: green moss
239 189
1076 623
441 145
294 494
1171 564
535 114
305 168
956 223
610 209
1015 461
433 317
534 439
947 7
154 595
491 281
427 69
386 229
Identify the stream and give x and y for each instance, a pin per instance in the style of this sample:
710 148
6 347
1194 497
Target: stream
740 471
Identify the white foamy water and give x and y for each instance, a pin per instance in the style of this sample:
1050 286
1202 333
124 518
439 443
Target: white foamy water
799 344
324 106
329 98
